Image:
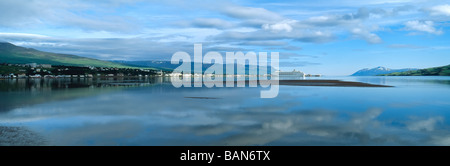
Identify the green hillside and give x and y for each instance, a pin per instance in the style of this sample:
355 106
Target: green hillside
10 53
435 71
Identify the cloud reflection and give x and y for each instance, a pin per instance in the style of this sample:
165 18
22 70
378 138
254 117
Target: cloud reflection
162 115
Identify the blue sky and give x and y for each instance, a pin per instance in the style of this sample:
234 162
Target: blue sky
327 37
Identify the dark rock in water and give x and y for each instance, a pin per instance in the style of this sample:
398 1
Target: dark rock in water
328 83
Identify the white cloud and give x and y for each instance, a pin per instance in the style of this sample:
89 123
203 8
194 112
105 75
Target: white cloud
366 35
347 19
441 141
223 23
131 48
251 13
314 36
439 10
51 13
426 125
19 13
423 26
211 23
285 26
21 35
264 43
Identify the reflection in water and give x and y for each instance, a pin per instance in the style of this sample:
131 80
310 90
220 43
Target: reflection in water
67 83
373 80
19 136
416 80
24 92
411 113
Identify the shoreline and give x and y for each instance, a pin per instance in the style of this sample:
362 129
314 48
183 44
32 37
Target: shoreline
333 83
338 83
319 82
79 77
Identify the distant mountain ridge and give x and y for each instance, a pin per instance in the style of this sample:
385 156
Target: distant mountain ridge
162 65
379 70
434 71
10 53
167 65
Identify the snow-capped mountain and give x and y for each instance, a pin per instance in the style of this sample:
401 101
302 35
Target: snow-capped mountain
378 70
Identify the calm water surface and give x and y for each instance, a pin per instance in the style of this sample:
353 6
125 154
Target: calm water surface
416 111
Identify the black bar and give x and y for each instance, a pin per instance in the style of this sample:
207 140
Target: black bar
275 154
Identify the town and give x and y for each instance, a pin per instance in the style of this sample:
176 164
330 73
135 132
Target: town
34 70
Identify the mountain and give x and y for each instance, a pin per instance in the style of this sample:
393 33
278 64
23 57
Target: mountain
378 70
162 65
10 53
435 71
167 65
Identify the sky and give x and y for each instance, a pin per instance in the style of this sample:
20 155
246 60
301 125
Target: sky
329 37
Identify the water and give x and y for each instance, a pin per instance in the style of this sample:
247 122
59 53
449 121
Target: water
416 111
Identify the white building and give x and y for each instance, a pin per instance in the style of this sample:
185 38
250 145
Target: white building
160 73
46 65
174 74
32 64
